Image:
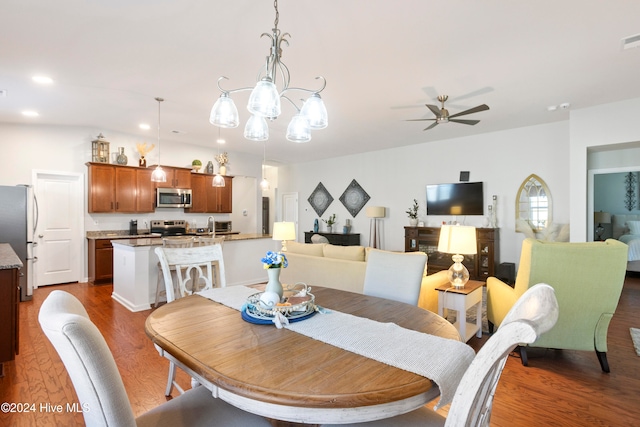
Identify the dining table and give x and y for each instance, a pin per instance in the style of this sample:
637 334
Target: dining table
291 378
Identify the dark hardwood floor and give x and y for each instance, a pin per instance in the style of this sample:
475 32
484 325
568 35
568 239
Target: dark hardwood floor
558 388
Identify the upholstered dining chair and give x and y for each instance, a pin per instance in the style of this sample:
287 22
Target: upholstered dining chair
394 275
535 313
170 242
197 269
98 383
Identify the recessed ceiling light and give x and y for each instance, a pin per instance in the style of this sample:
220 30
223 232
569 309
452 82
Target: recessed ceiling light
552 108
43 80
220 141
144 126
30 113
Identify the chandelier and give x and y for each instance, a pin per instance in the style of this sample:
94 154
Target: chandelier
264 101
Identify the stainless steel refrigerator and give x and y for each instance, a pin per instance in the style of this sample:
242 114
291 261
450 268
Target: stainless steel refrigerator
18 222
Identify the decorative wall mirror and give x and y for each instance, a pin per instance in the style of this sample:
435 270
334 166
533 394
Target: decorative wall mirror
533 203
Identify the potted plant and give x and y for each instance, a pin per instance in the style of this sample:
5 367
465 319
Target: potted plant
412 212
196 165
330 222
222 160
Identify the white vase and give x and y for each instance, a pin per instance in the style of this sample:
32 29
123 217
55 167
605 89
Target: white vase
413 222
329 228
274 285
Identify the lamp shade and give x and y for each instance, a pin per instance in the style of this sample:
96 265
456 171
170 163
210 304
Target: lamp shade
457 239
256 129
602 217
264 100
375 212
315 111
284 231
224 113
299 129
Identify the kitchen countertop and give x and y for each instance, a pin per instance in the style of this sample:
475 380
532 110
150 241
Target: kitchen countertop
124 234
119 234
8 258
139 241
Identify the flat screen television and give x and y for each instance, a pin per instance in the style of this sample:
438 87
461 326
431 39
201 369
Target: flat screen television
461 198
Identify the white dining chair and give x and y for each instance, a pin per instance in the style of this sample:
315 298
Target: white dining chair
98 383
534 313
210 240
170 242
197 269
395 275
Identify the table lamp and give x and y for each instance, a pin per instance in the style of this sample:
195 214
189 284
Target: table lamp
601 218
375 212
284 231
458 240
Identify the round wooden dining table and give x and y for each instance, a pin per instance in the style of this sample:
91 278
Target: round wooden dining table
284 375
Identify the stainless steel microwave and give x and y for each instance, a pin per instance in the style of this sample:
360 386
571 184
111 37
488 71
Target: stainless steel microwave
173 198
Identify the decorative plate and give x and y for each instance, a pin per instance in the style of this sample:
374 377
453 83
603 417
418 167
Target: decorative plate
320 199
354 198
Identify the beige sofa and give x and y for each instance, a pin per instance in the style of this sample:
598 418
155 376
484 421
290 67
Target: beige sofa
343 267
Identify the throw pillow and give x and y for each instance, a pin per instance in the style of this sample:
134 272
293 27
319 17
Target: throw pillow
350 253
634 227
305 249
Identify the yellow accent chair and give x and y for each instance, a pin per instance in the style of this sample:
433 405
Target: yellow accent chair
587 278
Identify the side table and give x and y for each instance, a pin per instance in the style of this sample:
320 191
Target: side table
462 300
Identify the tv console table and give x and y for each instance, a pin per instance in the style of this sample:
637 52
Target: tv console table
480 266
351 239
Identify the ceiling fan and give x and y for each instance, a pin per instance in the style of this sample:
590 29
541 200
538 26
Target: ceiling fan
442 114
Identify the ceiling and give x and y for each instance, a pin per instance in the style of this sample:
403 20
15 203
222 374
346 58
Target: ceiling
382 61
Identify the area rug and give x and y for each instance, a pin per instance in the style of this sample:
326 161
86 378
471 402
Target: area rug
635 337
450 315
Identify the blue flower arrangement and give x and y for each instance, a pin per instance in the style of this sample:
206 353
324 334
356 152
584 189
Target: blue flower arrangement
275 260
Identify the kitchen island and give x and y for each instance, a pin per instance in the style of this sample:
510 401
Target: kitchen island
135 266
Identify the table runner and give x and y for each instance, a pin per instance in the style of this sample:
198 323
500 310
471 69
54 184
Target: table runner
442 360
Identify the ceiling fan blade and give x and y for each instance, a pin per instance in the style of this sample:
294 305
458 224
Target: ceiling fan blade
465 122
482 107
435 110
434 124
417 120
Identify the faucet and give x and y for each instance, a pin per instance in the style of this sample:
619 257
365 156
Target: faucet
211 224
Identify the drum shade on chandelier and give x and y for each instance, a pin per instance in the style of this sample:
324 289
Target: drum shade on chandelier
265 99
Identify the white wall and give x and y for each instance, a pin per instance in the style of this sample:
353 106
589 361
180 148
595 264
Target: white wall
393 178
601 128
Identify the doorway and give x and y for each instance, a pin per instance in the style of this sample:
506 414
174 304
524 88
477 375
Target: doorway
60 244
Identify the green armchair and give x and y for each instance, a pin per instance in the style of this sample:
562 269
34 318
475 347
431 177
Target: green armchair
587 279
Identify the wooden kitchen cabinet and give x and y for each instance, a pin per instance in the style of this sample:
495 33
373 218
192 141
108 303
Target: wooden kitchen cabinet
9 300
122 189
146 197
209 199
100 261
176 177
480 266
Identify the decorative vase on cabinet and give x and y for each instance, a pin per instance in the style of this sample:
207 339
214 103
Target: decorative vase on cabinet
122 158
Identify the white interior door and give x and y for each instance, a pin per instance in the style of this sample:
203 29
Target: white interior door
60 246
290 209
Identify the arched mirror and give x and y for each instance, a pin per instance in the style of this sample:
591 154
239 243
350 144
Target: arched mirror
533 203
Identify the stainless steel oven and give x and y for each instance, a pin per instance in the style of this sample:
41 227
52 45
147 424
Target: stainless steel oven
173 198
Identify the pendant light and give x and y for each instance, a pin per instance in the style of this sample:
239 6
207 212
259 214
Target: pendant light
218 180
264 184
158 174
